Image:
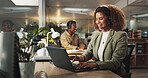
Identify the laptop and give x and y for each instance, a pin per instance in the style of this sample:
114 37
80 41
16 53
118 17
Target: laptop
60 59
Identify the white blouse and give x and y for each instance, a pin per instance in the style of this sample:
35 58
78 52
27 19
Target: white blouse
102 45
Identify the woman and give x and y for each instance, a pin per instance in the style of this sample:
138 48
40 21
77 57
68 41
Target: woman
108 44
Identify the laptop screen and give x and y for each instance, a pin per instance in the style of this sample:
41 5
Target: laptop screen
60 58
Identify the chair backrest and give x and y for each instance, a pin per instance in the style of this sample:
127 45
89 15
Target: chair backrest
126 60
9 66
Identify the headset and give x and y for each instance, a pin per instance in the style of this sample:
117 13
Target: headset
69 23
8 23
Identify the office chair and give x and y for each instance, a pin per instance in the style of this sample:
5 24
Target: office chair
126 62
9 66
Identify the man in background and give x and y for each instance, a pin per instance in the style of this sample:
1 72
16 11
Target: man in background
70 40
7 26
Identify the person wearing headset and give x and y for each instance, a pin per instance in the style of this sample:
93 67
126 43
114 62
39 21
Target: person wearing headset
70 40
108 44
7 26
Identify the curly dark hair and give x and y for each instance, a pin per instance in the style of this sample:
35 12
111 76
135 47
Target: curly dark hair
114 14
8 23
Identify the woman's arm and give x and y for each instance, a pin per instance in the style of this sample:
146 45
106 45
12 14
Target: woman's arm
89 52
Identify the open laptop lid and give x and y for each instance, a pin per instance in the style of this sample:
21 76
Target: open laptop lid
60 58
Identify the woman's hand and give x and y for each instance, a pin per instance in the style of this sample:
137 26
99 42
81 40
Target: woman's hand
78 58
87 65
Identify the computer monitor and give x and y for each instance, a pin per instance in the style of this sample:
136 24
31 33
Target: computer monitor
144 33
9 66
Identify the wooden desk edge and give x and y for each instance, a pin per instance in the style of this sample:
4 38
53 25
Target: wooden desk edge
53 71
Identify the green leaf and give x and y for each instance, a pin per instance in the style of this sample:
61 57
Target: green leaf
35 31
42 29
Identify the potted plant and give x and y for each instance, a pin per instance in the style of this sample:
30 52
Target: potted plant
29 43
27 47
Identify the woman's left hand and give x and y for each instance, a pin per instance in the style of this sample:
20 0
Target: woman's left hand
87 65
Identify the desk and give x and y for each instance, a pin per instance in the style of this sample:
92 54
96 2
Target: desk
56 72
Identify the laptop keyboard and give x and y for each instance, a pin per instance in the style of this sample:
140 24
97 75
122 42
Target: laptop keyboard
81 69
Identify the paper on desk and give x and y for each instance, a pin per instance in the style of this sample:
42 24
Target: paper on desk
75 50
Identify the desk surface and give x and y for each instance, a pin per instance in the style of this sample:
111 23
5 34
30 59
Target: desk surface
56 72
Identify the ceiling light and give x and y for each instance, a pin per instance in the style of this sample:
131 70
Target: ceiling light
77 10
25 2
16 9
140 15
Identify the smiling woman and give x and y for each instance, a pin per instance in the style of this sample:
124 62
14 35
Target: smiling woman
108 44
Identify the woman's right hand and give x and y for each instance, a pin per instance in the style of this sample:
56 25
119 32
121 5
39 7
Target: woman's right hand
78 58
